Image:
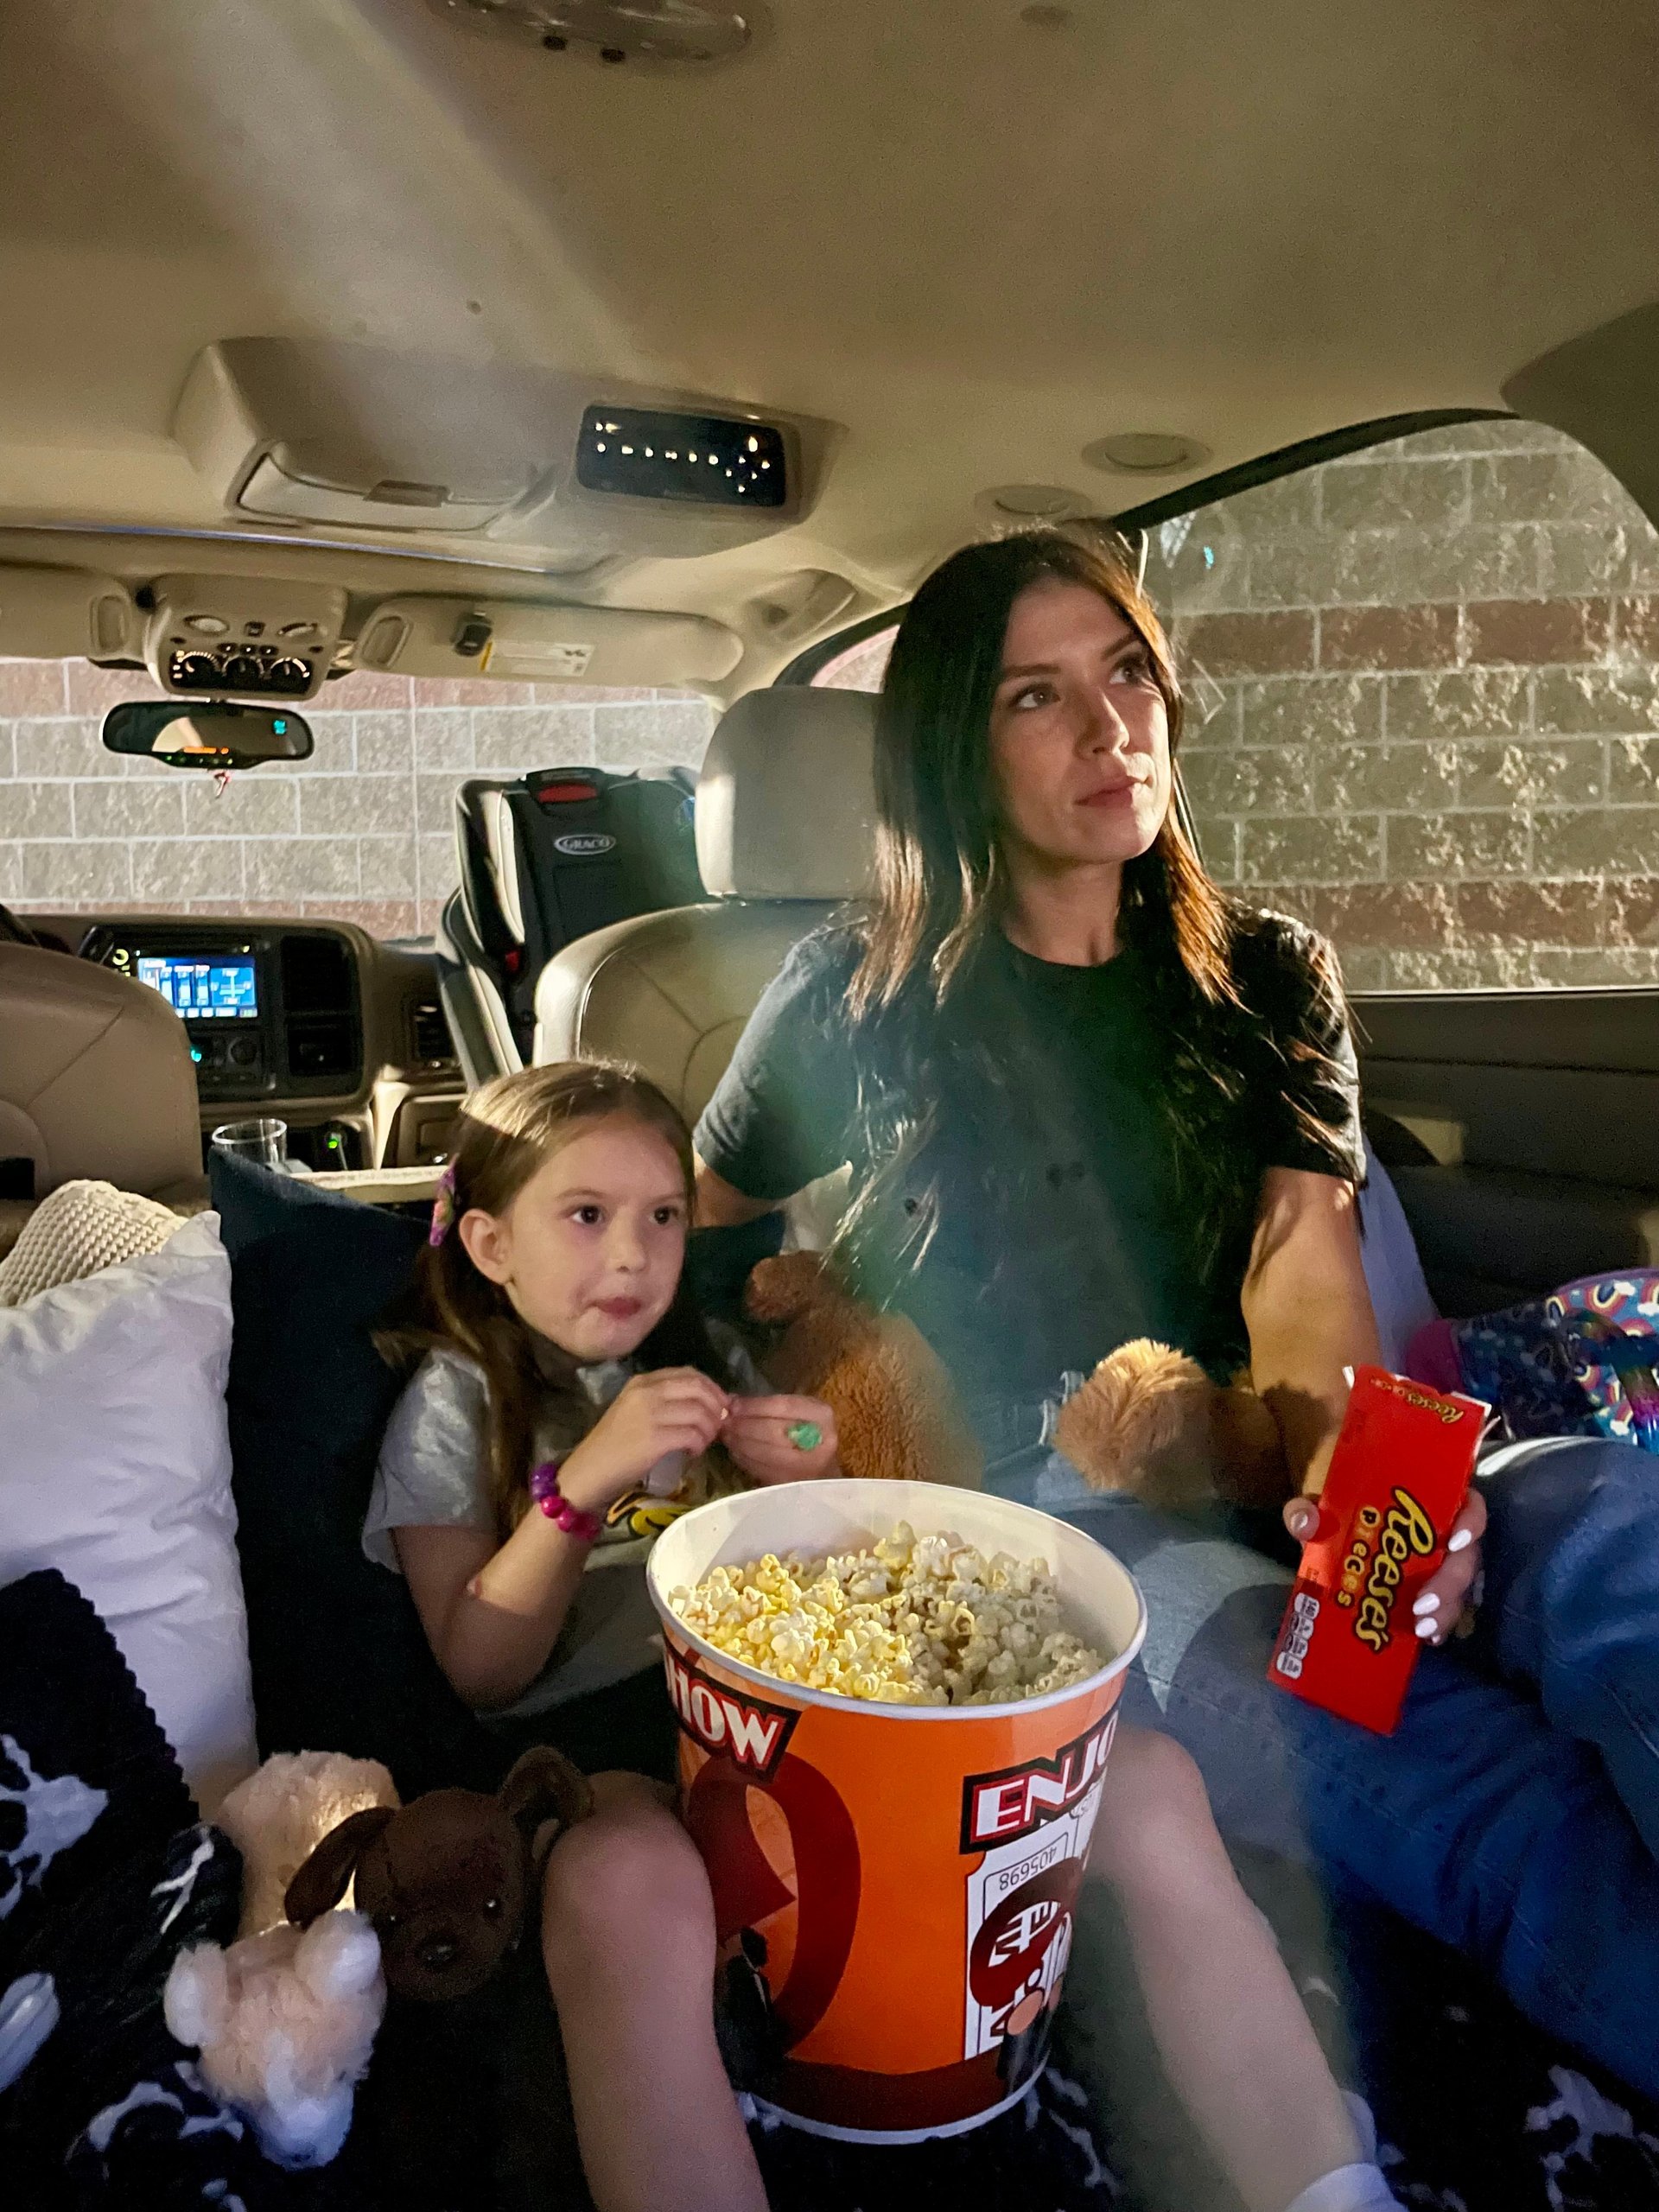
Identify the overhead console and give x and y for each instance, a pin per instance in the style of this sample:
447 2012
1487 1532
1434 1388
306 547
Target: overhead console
271 1012
244 635
319 433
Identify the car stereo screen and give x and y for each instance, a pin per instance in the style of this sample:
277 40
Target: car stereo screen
203 990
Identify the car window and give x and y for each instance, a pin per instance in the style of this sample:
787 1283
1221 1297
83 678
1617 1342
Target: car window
861 667
363 832
1424 705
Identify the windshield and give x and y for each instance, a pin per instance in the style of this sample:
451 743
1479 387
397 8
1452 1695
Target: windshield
363 831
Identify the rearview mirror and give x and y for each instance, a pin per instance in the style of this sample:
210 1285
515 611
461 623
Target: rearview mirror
205 733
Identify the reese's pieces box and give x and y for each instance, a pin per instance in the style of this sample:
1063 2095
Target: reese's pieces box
1398 1479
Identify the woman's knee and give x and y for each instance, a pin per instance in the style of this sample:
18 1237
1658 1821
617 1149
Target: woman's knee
1154 1824
630 1869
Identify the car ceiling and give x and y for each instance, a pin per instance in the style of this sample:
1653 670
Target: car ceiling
978 236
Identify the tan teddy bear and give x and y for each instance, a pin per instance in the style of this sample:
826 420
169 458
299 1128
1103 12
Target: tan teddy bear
895 1411
1150 1422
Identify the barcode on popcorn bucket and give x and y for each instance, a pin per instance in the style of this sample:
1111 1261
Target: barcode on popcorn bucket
1298 1634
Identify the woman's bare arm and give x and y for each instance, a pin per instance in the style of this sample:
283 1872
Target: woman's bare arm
719 1205
1308 1312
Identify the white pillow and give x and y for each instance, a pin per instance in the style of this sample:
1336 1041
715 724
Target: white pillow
114 1468
1393 1271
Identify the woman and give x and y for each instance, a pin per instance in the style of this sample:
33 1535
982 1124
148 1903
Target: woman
1086 1097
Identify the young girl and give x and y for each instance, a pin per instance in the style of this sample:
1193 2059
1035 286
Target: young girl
568 1372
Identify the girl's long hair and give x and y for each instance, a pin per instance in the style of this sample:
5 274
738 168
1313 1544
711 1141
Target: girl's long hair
506 1131
939 888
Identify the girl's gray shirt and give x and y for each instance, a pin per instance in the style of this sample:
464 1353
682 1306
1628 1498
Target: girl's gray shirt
433 1472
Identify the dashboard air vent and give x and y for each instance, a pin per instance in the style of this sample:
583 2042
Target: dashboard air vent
319 1019
323 1045
431 1031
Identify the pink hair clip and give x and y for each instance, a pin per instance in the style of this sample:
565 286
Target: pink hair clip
444 1207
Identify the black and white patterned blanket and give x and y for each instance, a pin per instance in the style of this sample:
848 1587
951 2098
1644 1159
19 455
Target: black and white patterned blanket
105 1875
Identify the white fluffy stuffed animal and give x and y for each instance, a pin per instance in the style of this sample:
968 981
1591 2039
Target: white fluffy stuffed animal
284 2022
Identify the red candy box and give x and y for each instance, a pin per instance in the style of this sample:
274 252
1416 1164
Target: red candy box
1398 1479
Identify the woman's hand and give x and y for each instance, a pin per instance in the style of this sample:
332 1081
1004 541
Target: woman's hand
670 1410
1440 1602
757 1436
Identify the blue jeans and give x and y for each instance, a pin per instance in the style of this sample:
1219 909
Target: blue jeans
1514 1812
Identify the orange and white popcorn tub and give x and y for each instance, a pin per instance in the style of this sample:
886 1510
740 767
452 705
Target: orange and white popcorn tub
896 1881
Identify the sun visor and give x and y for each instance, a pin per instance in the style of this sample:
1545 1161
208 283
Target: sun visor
330 436
64 614
522 644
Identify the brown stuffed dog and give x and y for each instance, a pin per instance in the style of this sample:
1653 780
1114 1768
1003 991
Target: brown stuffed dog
895 1410
1151 1422
446 1880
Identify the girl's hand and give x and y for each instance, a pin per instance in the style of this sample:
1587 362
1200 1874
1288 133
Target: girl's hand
670 1410
757 1436
1440 1602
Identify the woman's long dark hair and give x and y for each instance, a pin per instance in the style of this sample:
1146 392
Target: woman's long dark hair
939 890
506 1131
939 877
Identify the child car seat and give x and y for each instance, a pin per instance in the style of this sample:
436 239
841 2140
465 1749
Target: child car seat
551 856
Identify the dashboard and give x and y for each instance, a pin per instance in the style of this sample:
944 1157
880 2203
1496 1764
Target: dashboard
265 1010
341 1036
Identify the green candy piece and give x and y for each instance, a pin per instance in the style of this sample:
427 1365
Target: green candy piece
804 1435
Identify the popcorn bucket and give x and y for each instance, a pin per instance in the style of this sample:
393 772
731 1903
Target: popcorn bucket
895 1885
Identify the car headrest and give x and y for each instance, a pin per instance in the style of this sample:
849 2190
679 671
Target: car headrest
96 1078
785 801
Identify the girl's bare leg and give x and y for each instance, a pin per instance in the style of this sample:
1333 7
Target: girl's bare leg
1235 2042
628 1937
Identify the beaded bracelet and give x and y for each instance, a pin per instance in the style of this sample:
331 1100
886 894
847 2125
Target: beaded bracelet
545 1492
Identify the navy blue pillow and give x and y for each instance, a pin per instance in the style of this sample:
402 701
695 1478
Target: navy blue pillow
340 1661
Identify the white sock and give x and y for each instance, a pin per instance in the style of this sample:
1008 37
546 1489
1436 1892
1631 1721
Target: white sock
1350 2189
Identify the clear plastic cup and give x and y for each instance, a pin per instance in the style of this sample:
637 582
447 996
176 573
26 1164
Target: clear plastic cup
265 1141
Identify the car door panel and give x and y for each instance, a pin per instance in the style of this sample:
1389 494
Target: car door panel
1522 1132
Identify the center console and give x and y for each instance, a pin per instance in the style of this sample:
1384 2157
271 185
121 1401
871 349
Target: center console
270 1012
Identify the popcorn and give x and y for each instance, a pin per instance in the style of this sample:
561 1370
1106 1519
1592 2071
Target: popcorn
912 1621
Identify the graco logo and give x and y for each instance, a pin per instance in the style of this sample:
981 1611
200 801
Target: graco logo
585 844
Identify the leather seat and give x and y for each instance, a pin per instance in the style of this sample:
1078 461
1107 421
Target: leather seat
786 812
96 1078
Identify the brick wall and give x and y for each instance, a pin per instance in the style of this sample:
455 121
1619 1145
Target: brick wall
363 831
1423 706
1425 701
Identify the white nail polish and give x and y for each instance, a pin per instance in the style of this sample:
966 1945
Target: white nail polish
1428 1627
1461 1542
1428 1602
